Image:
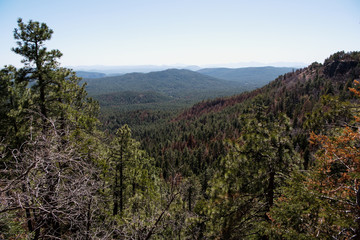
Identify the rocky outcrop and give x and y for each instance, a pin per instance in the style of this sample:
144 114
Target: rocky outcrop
335 68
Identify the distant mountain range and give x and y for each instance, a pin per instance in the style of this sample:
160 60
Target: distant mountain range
85 74
172 83
253 77
176 85
120 70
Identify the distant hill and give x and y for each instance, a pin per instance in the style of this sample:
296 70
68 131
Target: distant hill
252 77
172 83
120 70
85 74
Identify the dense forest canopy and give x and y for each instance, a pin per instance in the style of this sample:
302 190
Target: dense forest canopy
279 162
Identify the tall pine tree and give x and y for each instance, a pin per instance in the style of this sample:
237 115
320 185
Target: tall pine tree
51 157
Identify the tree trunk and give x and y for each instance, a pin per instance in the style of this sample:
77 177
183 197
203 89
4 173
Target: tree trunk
37 228
41 84
28 218
42 99
357 231
270 190
88 224
121 188
116 197
190 193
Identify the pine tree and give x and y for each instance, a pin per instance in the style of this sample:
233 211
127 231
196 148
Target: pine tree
323 202
50 142
244 189
55 90
15 99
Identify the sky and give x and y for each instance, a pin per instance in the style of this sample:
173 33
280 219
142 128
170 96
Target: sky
188 32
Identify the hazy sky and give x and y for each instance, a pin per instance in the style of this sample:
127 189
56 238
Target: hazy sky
192 32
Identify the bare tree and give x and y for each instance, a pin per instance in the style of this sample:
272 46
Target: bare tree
54 186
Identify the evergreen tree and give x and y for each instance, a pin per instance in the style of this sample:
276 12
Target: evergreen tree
50 165
15 99
121 155
55 91
243 190
39 63
323 202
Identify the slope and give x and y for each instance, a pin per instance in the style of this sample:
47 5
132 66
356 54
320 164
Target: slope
313 98
130 97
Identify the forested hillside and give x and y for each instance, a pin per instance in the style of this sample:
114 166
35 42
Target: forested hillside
128 98
162 90
171 89
279 162
172 82
203 140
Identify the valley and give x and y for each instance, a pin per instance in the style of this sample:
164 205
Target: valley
165 93
253 153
